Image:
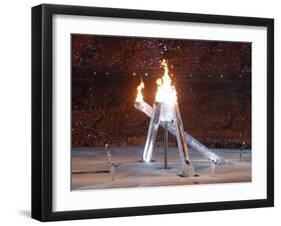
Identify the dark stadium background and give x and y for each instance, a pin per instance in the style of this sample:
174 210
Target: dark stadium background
212 78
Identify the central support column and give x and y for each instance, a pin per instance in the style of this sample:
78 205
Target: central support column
166 141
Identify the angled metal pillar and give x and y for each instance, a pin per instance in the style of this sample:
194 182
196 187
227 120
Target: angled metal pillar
152 132
187 168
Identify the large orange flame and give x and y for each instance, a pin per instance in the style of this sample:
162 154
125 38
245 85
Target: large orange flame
164 87
139 97
166 93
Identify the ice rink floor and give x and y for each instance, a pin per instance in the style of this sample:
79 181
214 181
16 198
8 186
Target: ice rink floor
91 170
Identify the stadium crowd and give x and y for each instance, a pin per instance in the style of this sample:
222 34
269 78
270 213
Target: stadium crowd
213 82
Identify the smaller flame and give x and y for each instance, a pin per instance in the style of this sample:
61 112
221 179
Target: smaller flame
139 97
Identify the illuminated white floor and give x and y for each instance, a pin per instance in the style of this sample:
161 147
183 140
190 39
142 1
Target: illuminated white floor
90 169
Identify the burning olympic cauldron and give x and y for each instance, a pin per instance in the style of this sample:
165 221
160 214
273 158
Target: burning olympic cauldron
165 112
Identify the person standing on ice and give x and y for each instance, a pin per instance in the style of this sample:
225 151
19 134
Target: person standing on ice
108 152
112 169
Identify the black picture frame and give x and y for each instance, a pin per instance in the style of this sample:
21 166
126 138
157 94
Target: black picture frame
42 197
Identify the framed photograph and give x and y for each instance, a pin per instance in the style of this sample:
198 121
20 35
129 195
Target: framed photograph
146 112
